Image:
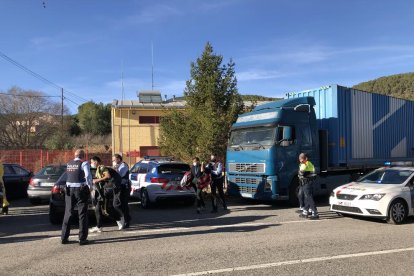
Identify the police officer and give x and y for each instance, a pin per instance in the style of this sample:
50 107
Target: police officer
77 192
5 203
121 197
216 168
306 177
197 171
102 175
301 198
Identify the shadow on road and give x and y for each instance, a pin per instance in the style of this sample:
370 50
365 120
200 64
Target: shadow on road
233 229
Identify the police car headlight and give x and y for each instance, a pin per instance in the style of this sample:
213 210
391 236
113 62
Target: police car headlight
375 197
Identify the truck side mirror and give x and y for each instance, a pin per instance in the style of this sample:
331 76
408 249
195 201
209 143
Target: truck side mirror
285 139
287 133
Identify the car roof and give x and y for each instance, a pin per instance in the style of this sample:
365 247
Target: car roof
161 162
399 168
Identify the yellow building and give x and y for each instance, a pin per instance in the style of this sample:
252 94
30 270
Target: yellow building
135 124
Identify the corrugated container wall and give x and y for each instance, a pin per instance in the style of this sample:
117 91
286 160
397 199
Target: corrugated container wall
363 128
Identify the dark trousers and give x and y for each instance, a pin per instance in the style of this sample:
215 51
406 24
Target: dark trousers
199 194
301 196
77 197
98 213
217 184
121 198
309 202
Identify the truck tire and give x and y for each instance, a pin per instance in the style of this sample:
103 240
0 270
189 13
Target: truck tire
293 192
397 213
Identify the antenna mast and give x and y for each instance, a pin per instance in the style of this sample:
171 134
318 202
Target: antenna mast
122 80
152 65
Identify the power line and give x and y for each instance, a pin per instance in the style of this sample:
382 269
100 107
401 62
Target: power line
29 96
38 76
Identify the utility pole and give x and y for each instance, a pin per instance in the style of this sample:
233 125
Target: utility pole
61 114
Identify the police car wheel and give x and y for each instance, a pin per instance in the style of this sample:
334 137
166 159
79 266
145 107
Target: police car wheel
145 201
397 212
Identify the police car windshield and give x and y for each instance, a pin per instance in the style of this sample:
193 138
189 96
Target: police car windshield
386 176
173 168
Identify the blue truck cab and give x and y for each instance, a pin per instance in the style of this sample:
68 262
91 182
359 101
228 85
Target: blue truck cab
264 146
344 131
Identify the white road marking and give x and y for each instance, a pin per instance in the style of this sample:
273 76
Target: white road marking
72 236
25 214
156 230
301 261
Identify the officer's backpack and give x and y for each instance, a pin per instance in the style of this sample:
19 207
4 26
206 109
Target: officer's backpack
116 179
112 185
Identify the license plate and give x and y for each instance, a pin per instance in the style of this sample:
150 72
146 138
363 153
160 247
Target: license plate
247 195
47 184
345 203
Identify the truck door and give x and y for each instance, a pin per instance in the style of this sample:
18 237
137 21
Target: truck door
286 157
305 140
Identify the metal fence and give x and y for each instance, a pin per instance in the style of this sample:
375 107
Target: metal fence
35 159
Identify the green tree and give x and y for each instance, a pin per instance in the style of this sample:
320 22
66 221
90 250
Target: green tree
213 104
94 118
399 86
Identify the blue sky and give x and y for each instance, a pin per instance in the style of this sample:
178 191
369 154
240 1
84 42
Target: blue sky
278 46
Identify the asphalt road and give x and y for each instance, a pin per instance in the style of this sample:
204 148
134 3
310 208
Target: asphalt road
250 239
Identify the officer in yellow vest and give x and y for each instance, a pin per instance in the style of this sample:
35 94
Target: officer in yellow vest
306 177
5 205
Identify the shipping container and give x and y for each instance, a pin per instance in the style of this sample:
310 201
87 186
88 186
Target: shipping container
364 129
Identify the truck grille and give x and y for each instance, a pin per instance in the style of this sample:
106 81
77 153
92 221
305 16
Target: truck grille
247 167
247 189
346 197
346 209
240 180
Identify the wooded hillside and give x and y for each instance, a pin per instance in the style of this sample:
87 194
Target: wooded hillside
400 86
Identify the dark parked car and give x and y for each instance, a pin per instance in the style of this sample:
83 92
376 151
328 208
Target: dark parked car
16 179
41 183
57 200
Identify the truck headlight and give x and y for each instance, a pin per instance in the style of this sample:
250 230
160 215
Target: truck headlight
375 197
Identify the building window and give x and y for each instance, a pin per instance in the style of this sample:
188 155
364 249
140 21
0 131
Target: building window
149 151
149 119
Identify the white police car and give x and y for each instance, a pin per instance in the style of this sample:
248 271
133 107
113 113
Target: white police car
157 178
386 193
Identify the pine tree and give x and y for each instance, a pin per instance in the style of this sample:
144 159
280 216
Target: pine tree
213 104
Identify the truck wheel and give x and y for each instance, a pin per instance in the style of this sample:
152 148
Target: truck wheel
54 217
293 192
145 201
397 212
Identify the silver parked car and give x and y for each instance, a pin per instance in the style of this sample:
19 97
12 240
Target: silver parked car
42 182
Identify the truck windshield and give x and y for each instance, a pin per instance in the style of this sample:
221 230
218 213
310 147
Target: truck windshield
386 176
252 137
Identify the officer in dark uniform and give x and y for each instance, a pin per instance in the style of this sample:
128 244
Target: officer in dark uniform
121 197
216 168
77 192
197 170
